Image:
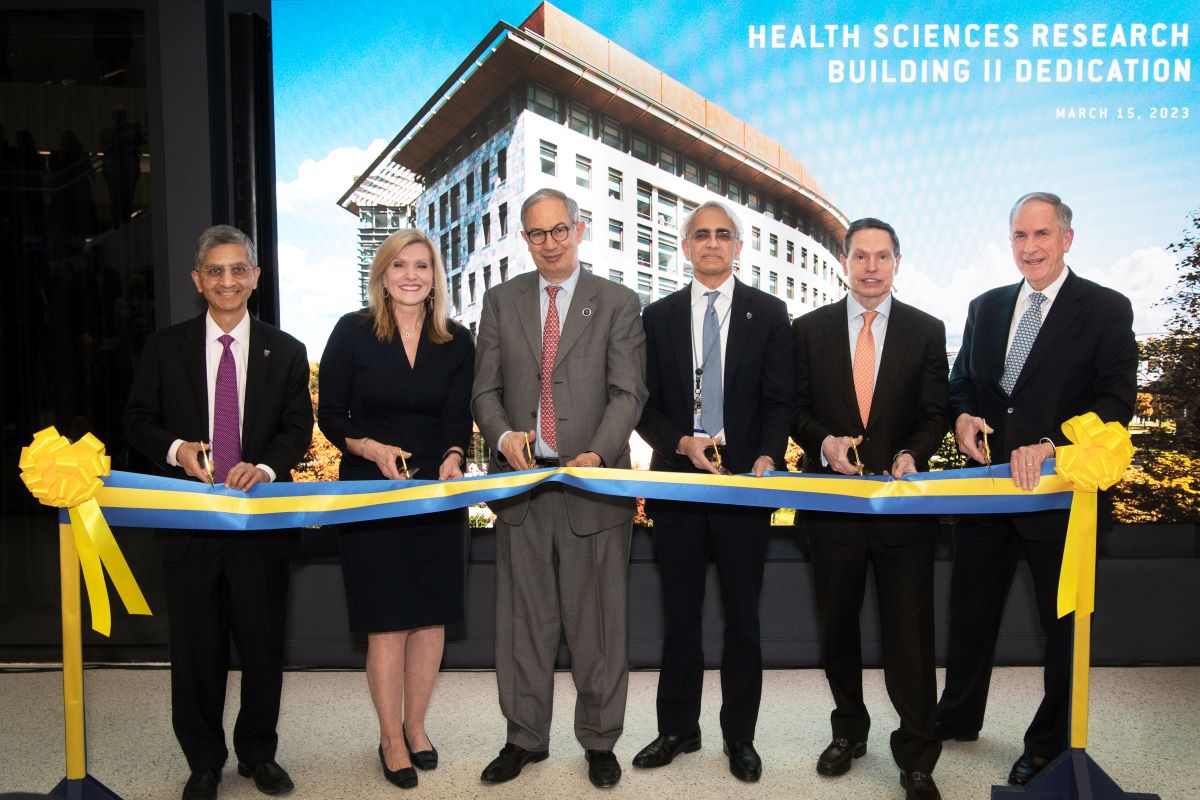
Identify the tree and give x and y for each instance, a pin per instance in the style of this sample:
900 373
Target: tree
1175 357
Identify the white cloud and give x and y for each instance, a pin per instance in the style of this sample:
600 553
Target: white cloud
318 245
1144 276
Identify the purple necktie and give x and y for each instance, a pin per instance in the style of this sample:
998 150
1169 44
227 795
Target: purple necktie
226 437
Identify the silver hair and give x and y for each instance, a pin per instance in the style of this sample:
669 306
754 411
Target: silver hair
550 194
722 207
1061 209
218 235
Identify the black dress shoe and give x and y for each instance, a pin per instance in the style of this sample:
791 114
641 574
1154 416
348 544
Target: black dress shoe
269 777
744 763
919 786
662 751
405 777
1025 768
603 769
510 762
426 759
837 758
202 785
946 734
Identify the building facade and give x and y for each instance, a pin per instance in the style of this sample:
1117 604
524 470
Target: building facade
635 148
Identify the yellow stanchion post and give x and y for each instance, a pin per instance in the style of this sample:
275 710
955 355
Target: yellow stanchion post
72 645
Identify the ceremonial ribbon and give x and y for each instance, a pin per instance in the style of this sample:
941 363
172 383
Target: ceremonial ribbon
68 475
1097 458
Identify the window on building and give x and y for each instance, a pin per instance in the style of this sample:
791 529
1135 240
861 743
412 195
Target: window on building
585 266
548 152
756 238
754 200
444 244
544 102
583 172
667 247
645 287
432 217
585 217
791 288
666 286
471 287
455 206
485 176
804 293
502 165
615 183
644 237
667 209
612 133
770 208
503 270
733 191
471 187
803 258
616 276
456 247
691 172
487 228
456 291
791 252
487 277
503 214
643 148
444 209
773 282
470 237
668 161
643 199
712 179
773 245
616 234
580 119
756 277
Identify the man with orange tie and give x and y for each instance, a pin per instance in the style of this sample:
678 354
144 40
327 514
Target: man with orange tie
225 385
871 385
559 381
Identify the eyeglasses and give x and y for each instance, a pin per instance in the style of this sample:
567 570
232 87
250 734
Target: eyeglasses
214 273
722 235
560 232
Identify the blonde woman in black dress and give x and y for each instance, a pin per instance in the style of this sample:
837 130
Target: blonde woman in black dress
395 385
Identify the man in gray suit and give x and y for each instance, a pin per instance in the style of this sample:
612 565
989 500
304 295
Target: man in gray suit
559 381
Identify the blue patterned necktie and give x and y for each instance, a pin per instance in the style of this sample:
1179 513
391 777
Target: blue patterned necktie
712 398
1022 343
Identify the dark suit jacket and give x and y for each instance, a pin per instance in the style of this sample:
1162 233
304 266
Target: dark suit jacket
169 400
1084 359
598 383
757 380
908 407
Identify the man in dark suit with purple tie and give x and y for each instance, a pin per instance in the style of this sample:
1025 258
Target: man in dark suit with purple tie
1034 354
227 379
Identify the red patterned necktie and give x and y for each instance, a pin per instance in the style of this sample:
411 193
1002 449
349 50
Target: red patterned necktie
549 423
226 437
864 366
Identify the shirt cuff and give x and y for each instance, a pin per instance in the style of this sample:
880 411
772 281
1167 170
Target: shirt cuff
270 472
172 461
824 460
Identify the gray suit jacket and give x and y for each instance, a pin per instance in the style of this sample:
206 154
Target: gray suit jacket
599 383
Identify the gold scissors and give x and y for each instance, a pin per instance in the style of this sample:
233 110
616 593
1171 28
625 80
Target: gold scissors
858 465
206 463
528 450
987 451
404 466
717 458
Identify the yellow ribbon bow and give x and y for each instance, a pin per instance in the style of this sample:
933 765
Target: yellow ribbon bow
67 475
1098 458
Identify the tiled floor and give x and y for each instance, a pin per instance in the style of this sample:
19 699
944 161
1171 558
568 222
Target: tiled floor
1145 732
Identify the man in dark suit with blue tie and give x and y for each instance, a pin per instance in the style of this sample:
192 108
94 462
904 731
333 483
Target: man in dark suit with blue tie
1034 354
227 379
719 372
871 398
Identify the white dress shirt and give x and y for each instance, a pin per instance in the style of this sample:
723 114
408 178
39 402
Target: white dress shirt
854 322
1023 293
722 306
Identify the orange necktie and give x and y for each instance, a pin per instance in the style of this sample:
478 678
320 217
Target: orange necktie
864 366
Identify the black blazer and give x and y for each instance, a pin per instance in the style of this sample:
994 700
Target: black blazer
1084 359
908 408
757 379
169 399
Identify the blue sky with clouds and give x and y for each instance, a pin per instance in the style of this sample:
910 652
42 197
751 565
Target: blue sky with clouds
943 162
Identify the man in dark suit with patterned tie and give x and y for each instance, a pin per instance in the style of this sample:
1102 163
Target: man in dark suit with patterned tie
719 371
227 379
1034 354
871 398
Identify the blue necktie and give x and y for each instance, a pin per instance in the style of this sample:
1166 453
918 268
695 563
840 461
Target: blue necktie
712 398
1022 343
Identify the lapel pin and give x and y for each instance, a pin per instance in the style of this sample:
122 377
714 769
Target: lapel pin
749 315
587 312
266 353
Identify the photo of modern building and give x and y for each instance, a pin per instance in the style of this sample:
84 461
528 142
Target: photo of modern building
554 103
